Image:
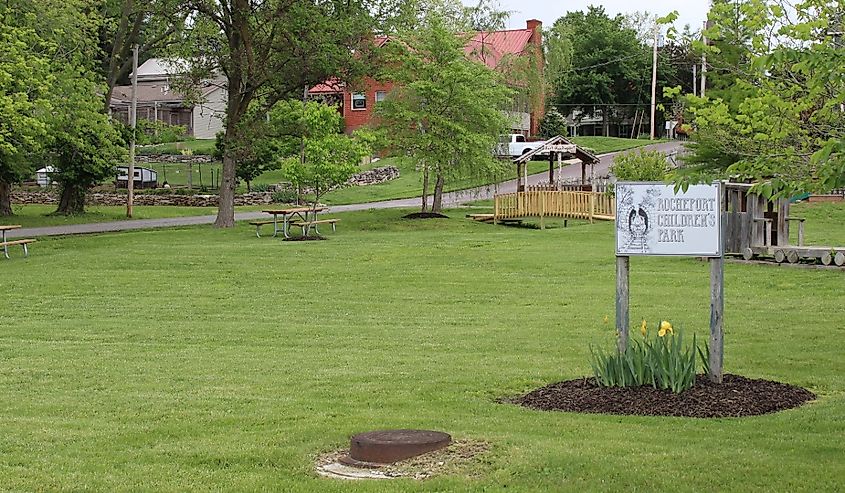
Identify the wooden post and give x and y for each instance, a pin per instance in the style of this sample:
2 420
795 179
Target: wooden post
559 170
542 197
551 167
717 309
592 206
622 323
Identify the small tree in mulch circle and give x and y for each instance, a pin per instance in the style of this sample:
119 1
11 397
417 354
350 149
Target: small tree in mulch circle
328 158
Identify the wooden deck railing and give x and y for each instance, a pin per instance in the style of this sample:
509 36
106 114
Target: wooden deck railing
572 205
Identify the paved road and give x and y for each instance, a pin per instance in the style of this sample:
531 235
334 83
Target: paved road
449 199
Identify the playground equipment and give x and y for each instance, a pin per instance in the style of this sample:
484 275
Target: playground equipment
554 199
759 228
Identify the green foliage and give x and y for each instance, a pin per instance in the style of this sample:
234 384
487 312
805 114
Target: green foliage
640 165
329 157
609 64
445 111
270 51
284 196
553 124
775 116
83 146
158 132
662 361
25 81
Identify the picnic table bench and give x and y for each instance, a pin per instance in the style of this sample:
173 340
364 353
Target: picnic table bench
306 224
6 244
287 214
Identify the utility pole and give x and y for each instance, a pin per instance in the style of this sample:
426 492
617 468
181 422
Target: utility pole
704 62
133 122
654 80
694 79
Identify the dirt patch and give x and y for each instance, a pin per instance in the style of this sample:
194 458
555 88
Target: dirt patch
736 396
306 238
458 458
425 215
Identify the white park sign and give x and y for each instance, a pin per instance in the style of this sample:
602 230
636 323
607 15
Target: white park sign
651 219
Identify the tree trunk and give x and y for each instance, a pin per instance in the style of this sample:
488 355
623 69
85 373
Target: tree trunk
226 204
235 106
437 203
72 200
5 199
425 189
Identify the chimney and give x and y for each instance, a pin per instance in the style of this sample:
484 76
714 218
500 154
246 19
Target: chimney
538 111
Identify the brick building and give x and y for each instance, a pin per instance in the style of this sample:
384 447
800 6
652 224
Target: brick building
491 48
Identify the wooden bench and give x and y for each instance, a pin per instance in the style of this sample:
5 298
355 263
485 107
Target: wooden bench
306 224
24 243
258 225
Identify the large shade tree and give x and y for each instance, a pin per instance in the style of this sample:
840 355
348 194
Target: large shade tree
609 66
25 80
269 51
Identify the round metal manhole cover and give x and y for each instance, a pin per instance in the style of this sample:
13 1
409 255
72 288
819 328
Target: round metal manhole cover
389 446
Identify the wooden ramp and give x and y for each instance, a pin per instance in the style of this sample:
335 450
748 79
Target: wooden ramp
553 204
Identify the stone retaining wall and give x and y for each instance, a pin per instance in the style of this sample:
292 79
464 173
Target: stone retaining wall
173 158
371 177
374 176
255 198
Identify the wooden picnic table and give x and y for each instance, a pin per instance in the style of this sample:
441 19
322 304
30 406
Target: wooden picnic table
8 227
288 214
3 242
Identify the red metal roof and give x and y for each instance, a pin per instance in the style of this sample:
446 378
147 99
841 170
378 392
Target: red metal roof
491 47
488 47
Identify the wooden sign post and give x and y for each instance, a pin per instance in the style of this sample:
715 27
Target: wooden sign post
653 220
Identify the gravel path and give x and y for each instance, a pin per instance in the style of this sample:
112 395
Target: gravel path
449 199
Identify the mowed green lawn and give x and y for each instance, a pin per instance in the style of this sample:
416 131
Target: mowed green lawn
38 215
200 359
409 183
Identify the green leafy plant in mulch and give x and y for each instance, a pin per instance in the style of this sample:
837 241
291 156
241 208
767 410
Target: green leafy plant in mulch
660 360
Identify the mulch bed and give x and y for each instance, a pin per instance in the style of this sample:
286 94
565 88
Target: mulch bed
736 396
425 215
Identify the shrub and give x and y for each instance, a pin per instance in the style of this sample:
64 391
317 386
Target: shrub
284 196
261 187
662 361
158 132
641 165
553 124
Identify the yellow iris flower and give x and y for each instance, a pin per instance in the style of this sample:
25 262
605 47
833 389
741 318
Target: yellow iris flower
644 329
664 328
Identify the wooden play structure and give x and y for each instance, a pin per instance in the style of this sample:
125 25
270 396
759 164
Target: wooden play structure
555 198
759 228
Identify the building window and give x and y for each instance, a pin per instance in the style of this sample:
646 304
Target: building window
380 95
359 101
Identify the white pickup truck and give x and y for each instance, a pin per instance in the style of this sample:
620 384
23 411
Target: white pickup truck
515 145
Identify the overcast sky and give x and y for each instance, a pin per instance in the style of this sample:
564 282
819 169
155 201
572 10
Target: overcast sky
691 12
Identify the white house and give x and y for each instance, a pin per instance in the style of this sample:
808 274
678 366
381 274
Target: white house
159 101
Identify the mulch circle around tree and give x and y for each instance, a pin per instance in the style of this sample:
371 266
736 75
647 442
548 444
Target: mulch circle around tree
305 238
425 215
736 396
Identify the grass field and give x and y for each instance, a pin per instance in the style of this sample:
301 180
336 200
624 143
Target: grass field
197 146
199 359
409 183
34 216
